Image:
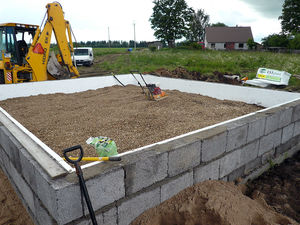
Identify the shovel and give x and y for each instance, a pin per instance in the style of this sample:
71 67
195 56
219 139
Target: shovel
81 179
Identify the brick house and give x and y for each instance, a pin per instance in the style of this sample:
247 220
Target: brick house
227 38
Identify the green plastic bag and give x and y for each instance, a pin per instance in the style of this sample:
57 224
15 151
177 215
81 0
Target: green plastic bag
104 146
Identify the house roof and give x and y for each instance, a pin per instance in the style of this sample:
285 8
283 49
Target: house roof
228 34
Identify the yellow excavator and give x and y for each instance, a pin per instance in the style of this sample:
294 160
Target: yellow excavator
22 62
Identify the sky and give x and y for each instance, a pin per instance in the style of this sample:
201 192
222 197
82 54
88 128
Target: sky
94 20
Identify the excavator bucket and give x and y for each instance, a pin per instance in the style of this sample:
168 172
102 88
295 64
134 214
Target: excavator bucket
55 69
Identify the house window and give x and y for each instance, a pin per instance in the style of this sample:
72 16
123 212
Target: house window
241 45
225 45
212 45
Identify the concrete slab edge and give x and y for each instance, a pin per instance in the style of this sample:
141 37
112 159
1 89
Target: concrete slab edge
25 137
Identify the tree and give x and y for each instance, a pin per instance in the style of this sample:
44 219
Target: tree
251 44
290 17
275 40
218 24
170 19
199 21
295 42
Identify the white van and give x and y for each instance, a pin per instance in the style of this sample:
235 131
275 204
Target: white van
83 56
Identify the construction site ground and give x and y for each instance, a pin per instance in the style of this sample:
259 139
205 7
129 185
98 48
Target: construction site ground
123 114
120 113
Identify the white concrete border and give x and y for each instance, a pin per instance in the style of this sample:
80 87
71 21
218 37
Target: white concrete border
251 95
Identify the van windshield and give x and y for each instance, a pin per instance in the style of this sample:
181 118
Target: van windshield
81 52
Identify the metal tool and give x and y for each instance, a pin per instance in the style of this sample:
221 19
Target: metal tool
133 71
153 92
117 79
81 179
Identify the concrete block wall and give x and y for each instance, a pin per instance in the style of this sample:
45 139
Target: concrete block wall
121 191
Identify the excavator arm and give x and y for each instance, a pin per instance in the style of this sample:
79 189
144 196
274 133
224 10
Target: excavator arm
44 68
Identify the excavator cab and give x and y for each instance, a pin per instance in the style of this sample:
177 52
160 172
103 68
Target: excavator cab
25 50
14 44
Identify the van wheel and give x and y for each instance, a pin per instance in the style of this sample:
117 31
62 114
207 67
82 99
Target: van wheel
2 81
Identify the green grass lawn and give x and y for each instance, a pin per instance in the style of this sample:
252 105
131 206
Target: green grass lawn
206 62
108 51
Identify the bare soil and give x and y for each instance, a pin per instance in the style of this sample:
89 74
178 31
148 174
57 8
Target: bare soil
280 187
183 73
12 212
121 113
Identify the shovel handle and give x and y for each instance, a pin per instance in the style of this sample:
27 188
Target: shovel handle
70 150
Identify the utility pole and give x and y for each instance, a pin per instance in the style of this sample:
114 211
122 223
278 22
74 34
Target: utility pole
134 35
108 37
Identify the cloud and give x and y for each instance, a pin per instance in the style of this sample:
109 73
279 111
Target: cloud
266 8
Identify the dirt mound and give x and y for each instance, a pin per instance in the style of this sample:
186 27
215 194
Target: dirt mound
213 203
183 73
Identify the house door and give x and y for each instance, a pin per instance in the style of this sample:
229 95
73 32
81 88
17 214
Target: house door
230 45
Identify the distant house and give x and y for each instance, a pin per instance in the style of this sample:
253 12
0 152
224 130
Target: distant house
227 38
157 44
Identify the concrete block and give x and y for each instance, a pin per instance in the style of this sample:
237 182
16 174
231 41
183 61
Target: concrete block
266 157
133 207
285 117
46 192
230 162
22 187
5 162
296 129
103 190
145 172
68 204
107 188
11 146
28 168
277 138
269 142
184 158
207 172
236 136
272 122
249 152
287 133
88 221
213 147
110 217
2 152
236 174
254 164
176 185
41 215
296 113
256 128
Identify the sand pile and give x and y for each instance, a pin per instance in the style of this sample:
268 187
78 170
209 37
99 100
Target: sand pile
213 203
